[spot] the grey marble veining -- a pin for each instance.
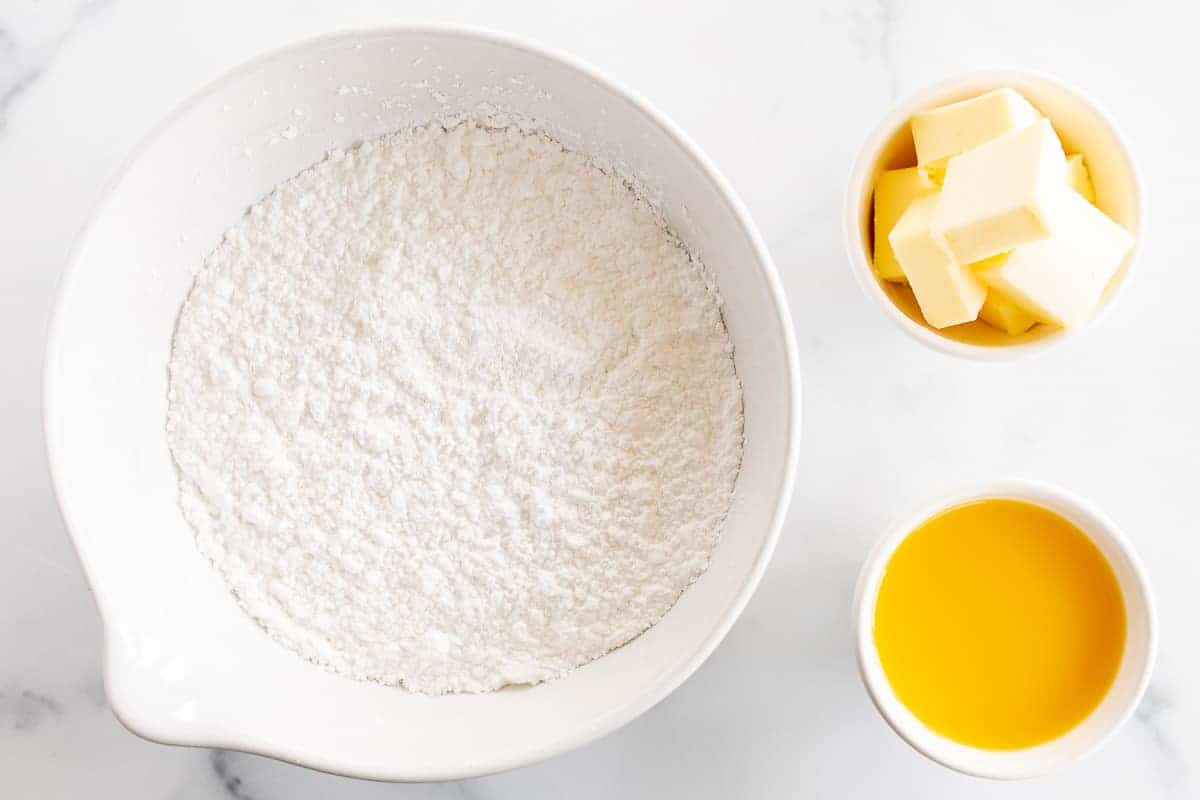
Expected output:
(22, 64)
(14, 76)
(780, 94)
(25, 709)
(1151, 716)
(230, 782)
(872, 31)
(887, 10)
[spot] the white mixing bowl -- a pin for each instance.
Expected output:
(183, 663)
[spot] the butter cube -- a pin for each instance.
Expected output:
(1060, 280)
(947, 292)
(935, 173)
(1079, 179)
(894, 191)
(944, 132)
(1000, 312)
(994, 197)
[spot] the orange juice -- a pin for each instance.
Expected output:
(999, 624)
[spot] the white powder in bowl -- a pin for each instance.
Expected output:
(453, 410)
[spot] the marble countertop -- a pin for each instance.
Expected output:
(779, 95)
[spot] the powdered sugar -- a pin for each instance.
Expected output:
(453, 410)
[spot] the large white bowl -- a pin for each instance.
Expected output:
(183, 664)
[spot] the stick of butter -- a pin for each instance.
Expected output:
(894, 192)
(1060, 280)
(941, 133)
(947, 292)
(994, 197)
(1079, 178)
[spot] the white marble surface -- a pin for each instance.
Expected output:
(779, 94)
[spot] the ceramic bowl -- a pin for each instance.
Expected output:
(183, 664)
(1082, 125)
(1127, 689)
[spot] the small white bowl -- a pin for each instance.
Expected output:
(1117, 706)
(1083, 126)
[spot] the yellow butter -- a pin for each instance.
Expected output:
(944, 132)
(894, 191)
(1079, 178)
(1002, 313)
(1061, 280)
(935, 173)
(994, 197)
(947, 292)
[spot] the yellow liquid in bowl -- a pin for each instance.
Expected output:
(1000, 624)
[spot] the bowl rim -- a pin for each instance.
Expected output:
(246, 741)
(898, 114)
(998, 764)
